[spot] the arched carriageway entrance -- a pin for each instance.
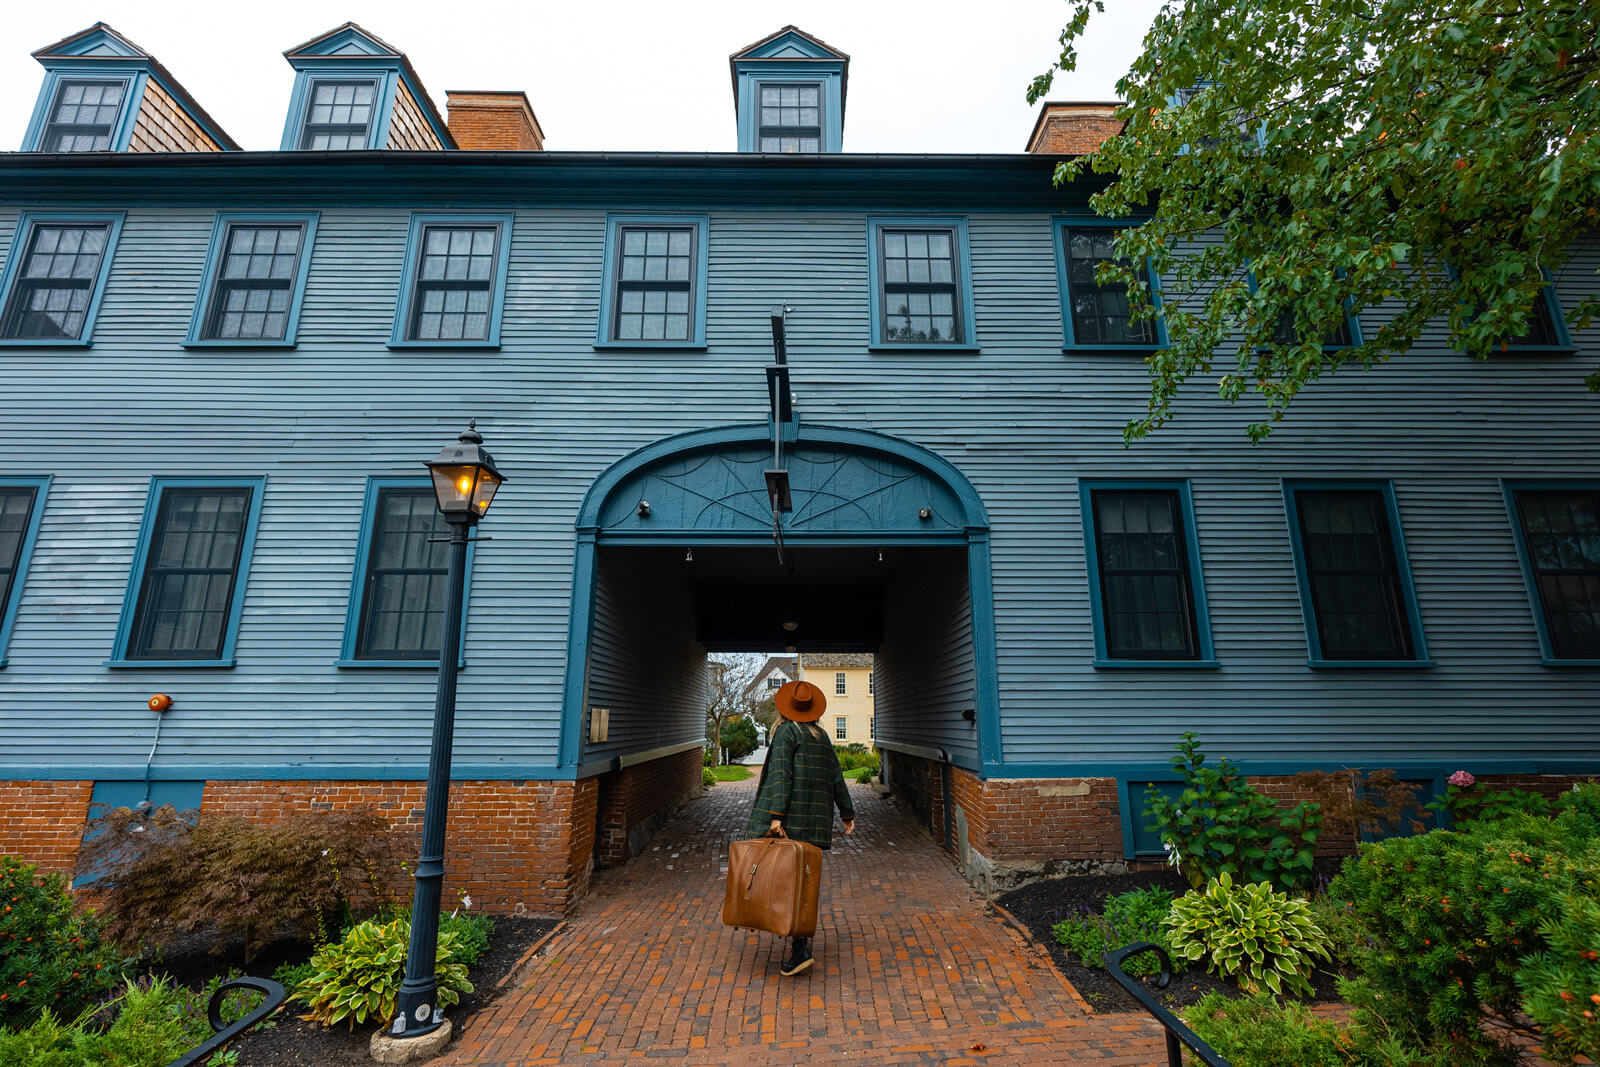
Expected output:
(884, 550)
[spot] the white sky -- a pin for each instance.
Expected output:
(618, 75)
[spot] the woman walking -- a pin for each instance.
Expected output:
(800, 785)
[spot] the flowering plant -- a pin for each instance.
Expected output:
(1461, 778)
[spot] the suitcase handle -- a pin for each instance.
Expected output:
(749, 883)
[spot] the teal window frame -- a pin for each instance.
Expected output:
(207, 293)
(159, 486)
(1412, 615)
(358, 582)
(405, 302)
(1351, 319)
(22, 238)
(1136, 840)
(611, 264)
(1205, 652)
(1509, 488)
(121, 130)
(1058, 228)
(957, 224)
(387, 76)
(750, 74)
(40, 484)
(1558, 324)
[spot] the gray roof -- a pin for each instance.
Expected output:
(820, 660)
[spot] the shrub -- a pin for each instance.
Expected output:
(1221, 824)
(1469, 803)
(1561, 985)
(299, 877)
(359, 977)
(739, 738)
(52, 955)
(707, 777)
(1450, 917)
(472, 933)
(856, 756)
(1259, 1031)
(1126, 917)
(1250, 933)
(1357, 805)
(152, 1024)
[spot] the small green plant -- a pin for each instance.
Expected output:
(1260, 938)
(856, 756)
(1221, 824)
(52, 953)
(359, 977)
(1470, 803)
(1125, 918)
(472, 933)
(1261, 1031)
(151, 1023)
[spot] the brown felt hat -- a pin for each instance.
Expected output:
(800, 701)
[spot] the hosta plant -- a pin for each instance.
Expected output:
(358, 978)
(1260, 938)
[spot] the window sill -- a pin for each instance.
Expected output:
(392, 664)
(1533, 350)
(1368, 664)
(444, 344)
(169, 664)
(1548, 661)
(692, 346)
(920, 346)
(1111, 350)
(42, 342)
(1163, 664)
(209, 343)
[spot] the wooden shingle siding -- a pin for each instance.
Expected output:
(1020, 418)
(407, 127)
(645, 664)
(164, 126)
(925, 677)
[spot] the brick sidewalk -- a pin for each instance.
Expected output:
(912, 967)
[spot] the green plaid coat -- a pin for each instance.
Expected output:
(800, 784)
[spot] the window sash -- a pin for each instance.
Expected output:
(453, 294)
(93, 120)
(653, 296)
(16, 509)
(839, 728)
(1541, 331)
(253, 294)
(1561, 534)
(1146, 593)
(55, 281)
(186, 591)
(403, 593)
(789, 117)
(1352, 575)
(920, 272)
(1100, 313)
(839, 684)
(344, 123)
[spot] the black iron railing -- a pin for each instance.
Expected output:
(223, 1032)
(1176, 1031)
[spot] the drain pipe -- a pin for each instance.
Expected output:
(949, 800)
(158, 704)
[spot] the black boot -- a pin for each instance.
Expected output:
(799, 956)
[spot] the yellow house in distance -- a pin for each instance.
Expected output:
(846, 680)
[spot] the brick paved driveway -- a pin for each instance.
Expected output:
(911, 967)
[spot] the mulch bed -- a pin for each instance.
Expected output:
(285, 1040)
(1040, 905)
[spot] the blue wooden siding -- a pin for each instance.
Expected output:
(645, 663)
(925, 675)
(1020, 418)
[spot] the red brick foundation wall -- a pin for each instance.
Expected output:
(521, 847)
(44, 822)
(634, 800)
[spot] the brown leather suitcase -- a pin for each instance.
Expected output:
(773, 884)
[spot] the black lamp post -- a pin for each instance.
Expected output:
(464, 481)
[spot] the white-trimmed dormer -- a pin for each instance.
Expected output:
(353, 91)
(103, 93)
(789, 94)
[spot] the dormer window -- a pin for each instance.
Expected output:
(791, 117)
(84, 114)
(339, 114)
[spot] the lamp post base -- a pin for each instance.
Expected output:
(386, 1048)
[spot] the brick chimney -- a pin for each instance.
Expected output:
(1074, 127)
(488, 121)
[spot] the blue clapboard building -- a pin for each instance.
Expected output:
(224, 368)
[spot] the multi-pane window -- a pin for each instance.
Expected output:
(403, 601)
(16, 508)
(186, 592)
(839, 728)
(1098, 314)
(775, 682)
(1561, 531)
(1352, 574)
(1284, 333)
(838, 683)
(1146, 597)
(791, 118)
(84, 115)
(920, 300)
(340, 114)
(255, 282)
(1542, 331)
(55, 281)
(455, 284)
(872, 684)
(654, 291)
